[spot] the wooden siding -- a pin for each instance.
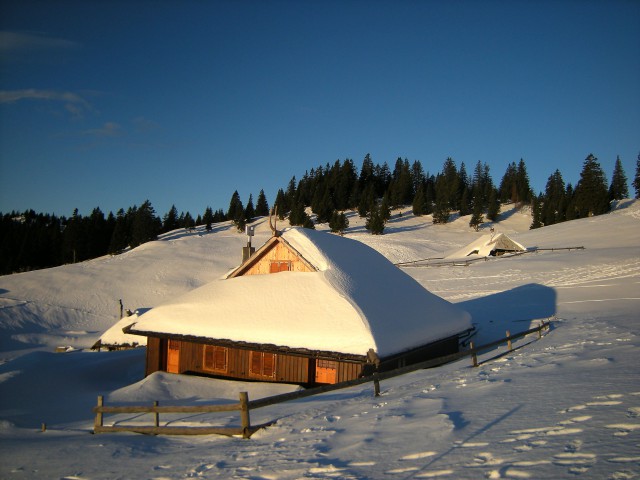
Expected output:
(279, 252)
(289, 368)
(154, 361)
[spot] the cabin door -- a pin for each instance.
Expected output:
(326, 371)
(173, 356)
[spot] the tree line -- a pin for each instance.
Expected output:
(30, 240)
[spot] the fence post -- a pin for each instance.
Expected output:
(509, 346)
(474, 357)
(156, 415)
(244, 414)
(98, 421)
(376, 384)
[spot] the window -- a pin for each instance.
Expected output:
(262, 364)
(279, 266)
(215, 358)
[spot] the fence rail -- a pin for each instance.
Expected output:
(465, 262)
(245, 405)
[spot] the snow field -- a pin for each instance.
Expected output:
(565, 406)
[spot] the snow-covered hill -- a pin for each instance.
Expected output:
(566, 406)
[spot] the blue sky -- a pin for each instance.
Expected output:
(182, 102)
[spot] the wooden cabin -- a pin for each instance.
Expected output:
(306, 308)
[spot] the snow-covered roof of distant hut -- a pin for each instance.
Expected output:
(356, 300)
(115, 338)
(489, 245)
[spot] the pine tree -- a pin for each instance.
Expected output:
(367, 199)
(375, 221)
(119, 240)
(235, 204)
(523, 188)
(249, 211)
(618, 188)
(170, 219)
(419, 202)
(188, 221)
(553, 205)
(385, 208)
(592, 195)
(146, 225)
(207, 218)
(493, 208)
(262, 207)
(280, 204)
(537, 212)
(339, 222)
(441, 211)
(476, 217)
(509, 184)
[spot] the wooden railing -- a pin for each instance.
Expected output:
(245, 405)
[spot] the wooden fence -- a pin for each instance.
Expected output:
(465, 262)
(245, 405)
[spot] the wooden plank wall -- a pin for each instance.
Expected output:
(289, 368)
(279, 252)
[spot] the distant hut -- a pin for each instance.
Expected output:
(492, 245)
(115, 339)
(308, 308)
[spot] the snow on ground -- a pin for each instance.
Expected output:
(565, 406)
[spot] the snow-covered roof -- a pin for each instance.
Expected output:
(486, 244)
(356, 300)
(115, 337)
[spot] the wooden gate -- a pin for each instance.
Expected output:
(173, 356)
(326, 371)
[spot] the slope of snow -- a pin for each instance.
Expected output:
(565, 406)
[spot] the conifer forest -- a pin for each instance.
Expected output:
(30, 240)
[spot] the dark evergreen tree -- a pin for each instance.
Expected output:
(170, 220)
(419, 202)
(464, 191)
(98, 234)
(298, 216)
(249, 211)
(618, 188)
(385, 208)
(146, 225)
(367, 199)
(74, 239)
(375, 221)
(188, 221)
(536, 209)
(442, 209)
(207, 219)
(339, 222)
(280, 204)
(289, 197)
(509, 184)
(235, 205)
(592, 195)
(476, 217)
(119, 238)
(553, 205)
(325, 207)
(418, 178)
(262, 207)
(572, 210)
(523, 188)
(493, 208)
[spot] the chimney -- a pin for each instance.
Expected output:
(248, 250)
